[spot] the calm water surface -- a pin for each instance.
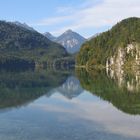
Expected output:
(56, 105)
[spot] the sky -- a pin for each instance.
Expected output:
(86, 17)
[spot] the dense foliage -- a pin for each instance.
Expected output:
(97, 50)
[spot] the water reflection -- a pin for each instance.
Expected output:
(119, 88)
(129, 79)
(22, 87)
(63, 109)
(70, 89)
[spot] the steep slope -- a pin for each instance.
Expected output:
(118, 47)
(18, 43)
(24, 25)
(95, 35)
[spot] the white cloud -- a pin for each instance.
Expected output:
(105, 13)
(52, 21)
(103, 113)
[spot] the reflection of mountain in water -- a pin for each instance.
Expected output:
(70, 89)
(20, 88)
(122, 90)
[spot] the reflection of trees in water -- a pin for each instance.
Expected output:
(20, 88)
(23, 87)
(121, 90)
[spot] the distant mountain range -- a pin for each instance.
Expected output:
(71, 40)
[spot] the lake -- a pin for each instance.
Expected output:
(69, 105)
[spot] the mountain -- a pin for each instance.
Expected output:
(24, 25)
(18, 44)
(50, 36)
(116, 48)
(71, 41)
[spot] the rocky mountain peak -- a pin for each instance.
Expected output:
(71, 40)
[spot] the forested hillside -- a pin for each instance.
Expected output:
(18, 44)
(118, 45)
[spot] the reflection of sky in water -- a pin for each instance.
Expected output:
(57, 118)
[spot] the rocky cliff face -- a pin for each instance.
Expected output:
(128, 56)
(124, 57)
